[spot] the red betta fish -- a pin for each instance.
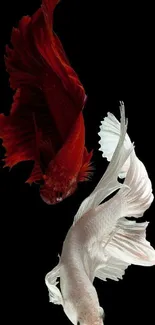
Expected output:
(45, 123)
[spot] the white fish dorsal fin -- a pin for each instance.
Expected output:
(55, 295)
(109, 137)
(109, 183)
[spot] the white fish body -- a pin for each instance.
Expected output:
(102, 242)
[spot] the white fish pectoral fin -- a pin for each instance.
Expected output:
(114, 270)
(109, 182)
(129, 244)
(55, 295)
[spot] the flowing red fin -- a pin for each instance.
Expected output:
(38, 60)
(37, 48)
(86, 169)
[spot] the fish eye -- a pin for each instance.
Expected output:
(103, 316)
(59, 194)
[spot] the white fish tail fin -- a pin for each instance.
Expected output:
(127, 246)
(110, 131)
(51, 281)
(139, 197)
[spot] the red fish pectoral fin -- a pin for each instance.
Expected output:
(86, 169)
(36, 174)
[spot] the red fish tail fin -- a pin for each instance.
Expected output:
(87, 168)
(37, 62)
(37, 48)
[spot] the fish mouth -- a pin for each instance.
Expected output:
(49, 201)
(55, 197)
(59, 199)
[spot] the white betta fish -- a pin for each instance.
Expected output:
(101, 242)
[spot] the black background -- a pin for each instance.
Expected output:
(111, 49)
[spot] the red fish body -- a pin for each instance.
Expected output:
(45, 123)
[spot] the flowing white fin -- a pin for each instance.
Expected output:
(110, 134)
(55, 295)
(130, 245)
(127, 243)
(127, 246)
(109, 183)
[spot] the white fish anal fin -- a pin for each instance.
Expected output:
(109, 183)
(55, 295)
(127, 246)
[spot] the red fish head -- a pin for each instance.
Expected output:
(58, 185)
(63, 176)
